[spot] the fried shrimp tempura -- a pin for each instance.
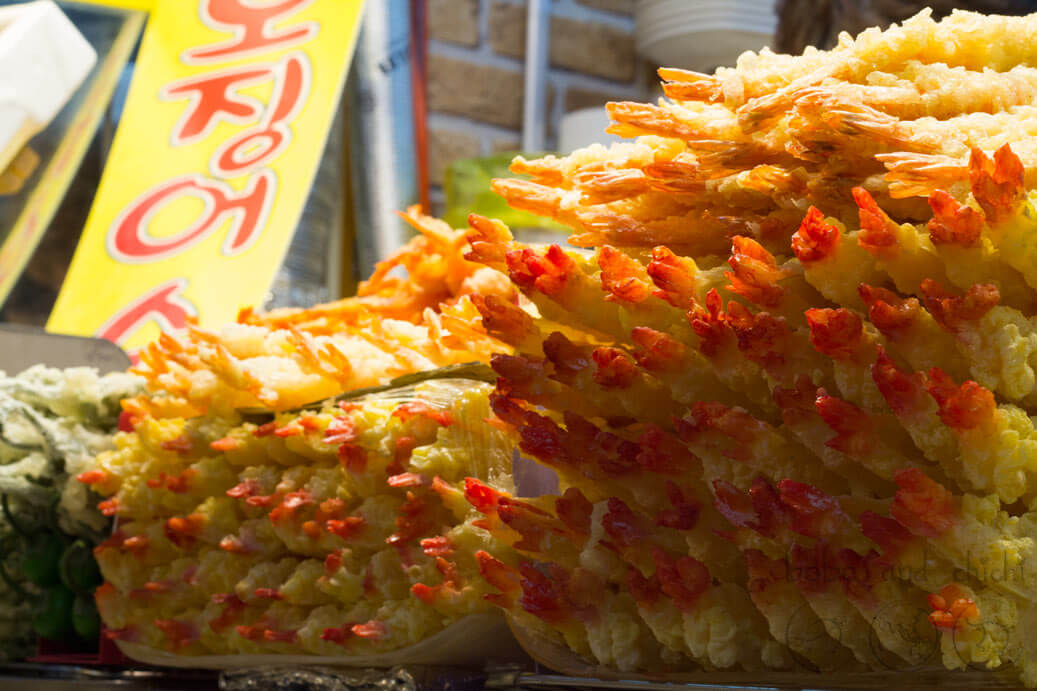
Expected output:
(337, 532)
(290, 357)
(787, 388)
(896, 111)
(846, 401)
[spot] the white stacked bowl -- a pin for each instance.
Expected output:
(702, 34)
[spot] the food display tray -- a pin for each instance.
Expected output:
(525, 677)
(469, 642)
(522, 680)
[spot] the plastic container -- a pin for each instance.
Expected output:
(43, 60)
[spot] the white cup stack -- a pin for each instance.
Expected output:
(702, 34)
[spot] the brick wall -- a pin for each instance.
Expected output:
(476, 54)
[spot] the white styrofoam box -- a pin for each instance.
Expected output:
(43, 60)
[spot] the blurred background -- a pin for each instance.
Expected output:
(443, 93)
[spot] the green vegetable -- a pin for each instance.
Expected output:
(85, 620)
(16, 525)
(52, 422)
(78, 568)
(9, 545)
(468, 190)
(42, 557)
(53, 617)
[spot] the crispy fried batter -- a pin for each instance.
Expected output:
(788, 392)
(290, 357)
(813, 301)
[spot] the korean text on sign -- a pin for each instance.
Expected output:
(224, 127)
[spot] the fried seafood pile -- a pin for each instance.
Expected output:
(340, 531)
(335, 524)
(413, 314)
(789, 395)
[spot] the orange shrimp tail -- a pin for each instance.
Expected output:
(542, 596)
(661, 452)
(673, 276)
(878, 230)
(762, 337)
(962, 407)
(179, 634)
(502, 577)
(625, 528)
(569, 359)
(837, 333)
(905, 392)
(997, 184)
(738, 429)
(815, 239)
(684, 579)
(710, 324)
(520, 376)
(953, 223)
(574, 510)
(854, 435)
(953, 312)
(889, 534)
(620, 276)
(488, 240)
(921, 505)
(812, 512)
(762, 510)
(532, 523)
(658, 352)
(504, 319)
(889, 312)
(754, 273)
(546, 272)
(615, 369)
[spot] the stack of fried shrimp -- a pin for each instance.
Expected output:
(789, 395)
(279, 360)
(331, 529)
(341, 531)
(747, 149)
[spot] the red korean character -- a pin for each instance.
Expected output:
(164, 304)
(257, 146)
(130, 242)
(214, 96)
(252, 26)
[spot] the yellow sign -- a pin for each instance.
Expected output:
(224, 126)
